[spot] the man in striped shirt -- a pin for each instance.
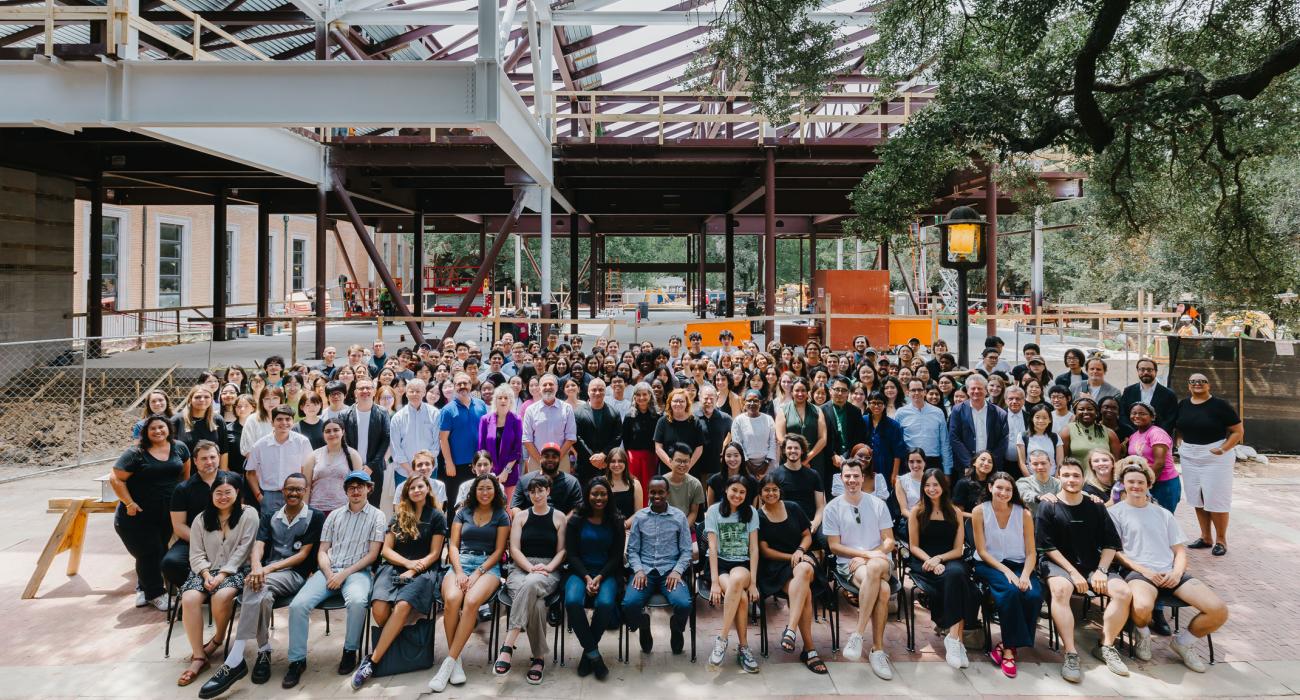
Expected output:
(349, 543)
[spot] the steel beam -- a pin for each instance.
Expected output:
(417, 263)
(729, 262)
(322, 297)
(262, 261)
(95, 273)
(486, 265)
(573, 273)
(219, 261)
(341, 193)
(575, 18)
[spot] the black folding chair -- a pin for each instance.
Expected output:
(555, 614)
(658, 600)
(843, 584)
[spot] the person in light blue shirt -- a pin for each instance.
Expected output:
(658, 553)
(926, 427)
(413, 428)
(458, 431)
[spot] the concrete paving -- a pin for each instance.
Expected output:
(82, 638)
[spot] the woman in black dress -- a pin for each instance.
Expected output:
(784, 538)
(972, 489)
(143, 479)
(199, 419)
(733, 463)
(936, 538)
(625, 495)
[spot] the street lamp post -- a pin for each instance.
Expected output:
(962, 247)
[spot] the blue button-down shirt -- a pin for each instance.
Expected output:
(926, 429)
(460, 424)
(659, 542)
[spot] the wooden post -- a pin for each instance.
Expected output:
(178, 326)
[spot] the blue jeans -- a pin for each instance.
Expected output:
(1168, 493)
(604, 609)
(634, 601)
(356, 595)
(1017, 609)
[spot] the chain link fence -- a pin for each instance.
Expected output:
(65, 402)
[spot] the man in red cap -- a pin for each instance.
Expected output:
(566, 492)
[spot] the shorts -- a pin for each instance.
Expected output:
(725, 567)
(469, 561)
(1135, 576)
(1054, 571)
(195, 581)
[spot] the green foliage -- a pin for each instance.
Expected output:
(777, 48)
(1184, 115)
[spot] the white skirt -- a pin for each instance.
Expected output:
(1207, 477)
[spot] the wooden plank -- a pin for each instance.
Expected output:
(46, 387)
(138, 399)
(52, 547)
(76, 542)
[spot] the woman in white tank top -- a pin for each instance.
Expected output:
(908, 486)
(1004, 561)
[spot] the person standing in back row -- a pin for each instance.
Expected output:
(1208, 428)
(366, 428)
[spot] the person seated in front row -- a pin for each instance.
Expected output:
(283, 557)
(220, 541)
(404, 583)
(658, 553)
(349, 543)
(1155, 555)
(1079, 542)
(1005, 560)
(594, 539)
(731, 526)
(859, 532)
(478, 539)
(536, 555)
(936, 540)
(784, 539)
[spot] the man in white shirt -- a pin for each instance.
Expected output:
(860, 534)
(413, 428)
(1017, 423)
(273, 458)
(1155, 555)
(548, 420)
(366, 430)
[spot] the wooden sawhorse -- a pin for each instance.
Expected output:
(68, 536)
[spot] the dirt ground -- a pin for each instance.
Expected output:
(38, 437)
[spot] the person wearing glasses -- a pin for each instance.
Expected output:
(859, 532)
(1208, 428)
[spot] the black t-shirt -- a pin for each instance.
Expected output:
(152, 481)
(715, 429)
(968, 493)
(315, 434)
(234, 458)
(432, 523)
(1205, 423)
(786, 535)
(671, 432)
(199, 431)
(800, 486)
(192, 496)
(1079, 532)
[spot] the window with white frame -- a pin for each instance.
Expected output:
(170, 263)
(299, 270)
(111, 258)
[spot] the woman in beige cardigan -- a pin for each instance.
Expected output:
(221, 538)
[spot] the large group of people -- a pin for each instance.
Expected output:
(547, 475)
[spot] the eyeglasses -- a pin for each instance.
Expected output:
(1198, 381)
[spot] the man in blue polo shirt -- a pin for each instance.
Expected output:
(459, 432)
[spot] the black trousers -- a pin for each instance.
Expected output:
(176, 563)
(376, 497)
(145, 536)
(952, 595)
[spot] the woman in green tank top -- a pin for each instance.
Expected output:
(1085, 432)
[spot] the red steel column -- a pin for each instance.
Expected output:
(769, 245)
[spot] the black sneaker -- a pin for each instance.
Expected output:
(221, 681)
(599, 668)
(294, 674)
(678, 641)
(584, 665)
(553, 615)
(647, 641)
(348, 663)
(485, 612)
(262, 667)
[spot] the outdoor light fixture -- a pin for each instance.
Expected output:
(961, 246)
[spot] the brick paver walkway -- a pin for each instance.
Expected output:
(82, 637)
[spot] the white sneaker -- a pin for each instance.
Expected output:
(458, 674)
(1190, 658)
(1143, 645)
(954, 648)
(161, 602)
(965, 659)
(853, 649)
(718, 654)
(140, 599)
(880, 665)
(439, 681)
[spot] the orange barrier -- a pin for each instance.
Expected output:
(709, 331)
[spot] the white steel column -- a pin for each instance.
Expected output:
(1036, 253)
(545, 215)
(839, 254)
(519, 269)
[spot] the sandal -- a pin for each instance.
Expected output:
(787, 640)
(189, 674)
(813, 662)
(501, 668)
(535, 667)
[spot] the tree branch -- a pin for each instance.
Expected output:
(1250, 84)
(1144, 79)
(1094, 124)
